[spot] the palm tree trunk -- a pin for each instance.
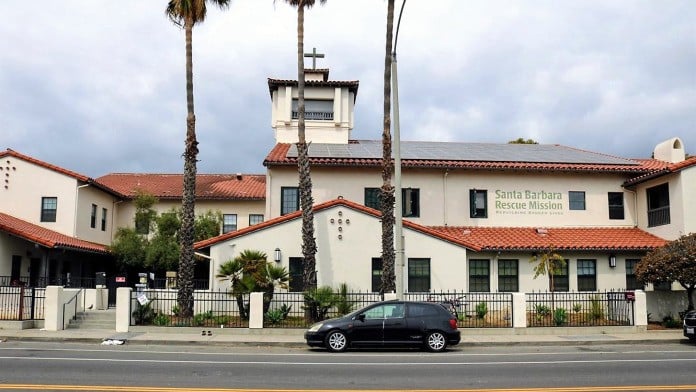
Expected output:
(387, 190)
(185, 276)
(309, 247)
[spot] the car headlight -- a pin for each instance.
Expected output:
(315, 327)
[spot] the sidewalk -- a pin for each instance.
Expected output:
(294, 337)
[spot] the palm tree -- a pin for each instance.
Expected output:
(251, 272)
(187, 13)
(387, 190)
(309, 244)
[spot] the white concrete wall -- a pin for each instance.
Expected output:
(444, 196)
(86, 196)
(27, 184)
(347, 258)
(336, 131)
(678, 189)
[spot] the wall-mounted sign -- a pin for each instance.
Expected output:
(528, 202)
(120, 279)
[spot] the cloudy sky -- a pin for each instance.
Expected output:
(98, 86)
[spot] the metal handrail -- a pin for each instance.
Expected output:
(68, 303)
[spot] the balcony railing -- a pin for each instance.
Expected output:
(658, 216)
(322, 116)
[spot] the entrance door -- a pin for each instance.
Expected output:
(16, 270)
(34, 266)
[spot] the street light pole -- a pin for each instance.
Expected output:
(398, 213)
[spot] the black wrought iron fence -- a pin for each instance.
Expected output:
(580, 309)
(213, 309)
(473, 310)
(291, 310)
(21, 303)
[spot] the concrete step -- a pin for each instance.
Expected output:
(98, 319)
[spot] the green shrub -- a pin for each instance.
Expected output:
(669, 322)
(275, 316)
(596, 311)
(161, 320)
(577, 308)
(343, 306)
(200, 319)
(285, 308)
(481, 310)
(144, 314)
(542, 310)
(560, 316)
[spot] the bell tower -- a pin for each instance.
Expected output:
(329, 106)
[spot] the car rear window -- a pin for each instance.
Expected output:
(421, 310)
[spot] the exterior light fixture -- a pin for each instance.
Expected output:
(277, 255)
(612, 260)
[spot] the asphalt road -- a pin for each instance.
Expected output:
(72, 367)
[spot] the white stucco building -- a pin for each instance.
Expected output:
(474, 214)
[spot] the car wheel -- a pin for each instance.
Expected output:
(435, 341)
(336, 341)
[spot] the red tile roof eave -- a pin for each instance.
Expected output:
(99, 249)
(673, 168)
(493, 166)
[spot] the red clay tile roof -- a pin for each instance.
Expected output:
(352, 85)
(208, 186)
(46, 237)
(529, 238)
(279, 157)
(323, 206)
(667, 169)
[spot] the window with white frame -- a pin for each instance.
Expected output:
(255, 219)
(229, 223)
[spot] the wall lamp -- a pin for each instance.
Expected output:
(277, 255)
(612, 260)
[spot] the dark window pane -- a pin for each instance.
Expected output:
(411, 202)
(616, 205)
(560, 279)
(289, 200)
(479, 276)
(632, 282)
(295, 272)
(658, 205)
(508, 275)
(372, 198)
(418, 275)
(49, 208)
(376, 274)
(478, 200)
(93, 217)
(587, 275)
(576, 200)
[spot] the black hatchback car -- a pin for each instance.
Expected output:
(388, 324)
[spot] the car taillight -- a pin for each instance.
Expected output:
(453, 323)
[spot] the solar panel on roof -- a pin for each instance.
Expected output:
(455, 151)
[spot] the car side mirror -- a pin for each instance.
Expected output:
(361, 317)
